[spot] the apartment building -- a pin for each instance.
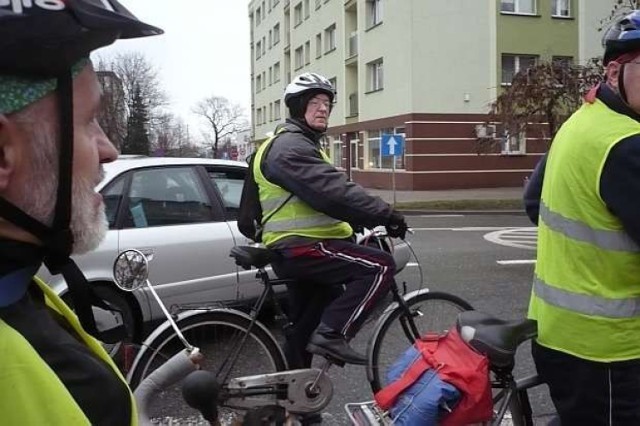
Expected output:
(426, 69)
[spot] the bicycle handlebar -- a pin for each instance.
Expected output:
(169, 373)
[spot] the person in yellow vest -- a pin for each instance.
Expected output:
(310, 206)
(53, 371)
(586, 288)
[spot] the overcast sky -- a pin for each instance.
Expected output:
(204, 51)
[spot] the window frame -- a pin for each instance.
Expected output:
(375, 75)
(556, 9)
(517, 67)
(517, 9)
(374, 13)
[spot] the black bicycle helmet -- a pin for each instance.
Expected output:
(622, 37)
(44, 39)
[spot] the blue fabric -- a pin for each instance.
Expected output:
(14, 285)
(424, 402)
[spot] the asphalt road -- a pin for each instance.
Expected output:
(485, 259)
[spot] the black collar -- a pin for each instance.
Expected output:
(614, 102)
(303, 127)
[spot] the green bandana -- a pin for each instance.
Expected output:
(18, 92)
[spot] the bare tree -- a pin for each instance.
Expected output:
(222, 117)
(171, 137)
(128, 79)
(542, 96)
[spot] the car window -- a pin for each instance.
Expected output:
(112, 196)
(229, 183)
(166, 196)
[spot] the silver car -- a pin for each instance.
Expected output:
(181, 213)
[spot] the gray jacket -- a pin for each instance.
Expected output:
(294, 163)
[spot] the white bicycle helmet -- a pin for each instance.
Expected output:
(306, 82)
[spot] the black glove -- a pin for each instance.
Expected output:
(396, 226)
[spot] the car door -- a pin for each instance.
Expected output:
(229, 181)
(168, 214)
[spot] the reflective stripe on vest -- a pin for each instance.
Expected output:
(586, 290)
(295, 217)
(587, 304)
(605, 239)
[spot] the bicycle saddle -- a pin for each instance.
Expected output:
(497, 339)
(248, 256)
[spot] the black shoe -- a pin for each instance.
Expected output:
(331, 344)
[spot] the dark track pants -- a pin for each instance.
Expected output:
(366, 273)
(590, 393)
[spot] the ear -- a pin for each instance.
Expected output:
(9, 142)
(612, 72)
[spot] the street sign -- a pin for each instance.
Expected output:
(392, 145)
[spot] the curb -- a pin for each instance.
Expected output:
(415, 212)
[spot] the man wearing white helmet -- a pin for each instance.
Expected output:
(309, 206)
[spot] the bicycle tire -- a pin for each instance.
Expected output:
(214, 332)
(432, 312)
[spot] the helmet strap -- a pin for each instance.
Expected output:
(623, 93)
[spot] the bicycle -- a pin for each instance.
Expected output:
(237, 339)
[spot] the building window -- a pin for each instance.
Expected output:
(259, 116)
(270, 38)
(375, 157)
(258, 16)
(264, 45)
(259, 83)
(307, 12)
(561, 8)
(514, 144)
(276, 34)
(375, 75)
(258, 50)
(374, 12)
(330, 38)
(276, 110)
(336, 149)
(354, 153)
(298, 58)
(318, 3)
(512, 64)
(276, 72)
(307, 53)
(297, 14)
(318, 45)
(518, 6)
(270, 76)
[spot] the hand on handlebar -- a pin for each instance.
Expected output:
(397, 226)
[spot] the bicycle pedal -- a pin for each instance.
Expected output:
(328, 356)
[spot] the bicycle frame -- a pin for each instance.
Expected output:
(513, 396)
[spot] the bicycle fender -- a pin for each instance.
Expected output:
(165, 326)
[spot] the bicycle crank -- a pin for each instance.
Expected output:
(298, 391)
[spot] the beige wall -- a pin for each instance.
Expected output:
(591, 15)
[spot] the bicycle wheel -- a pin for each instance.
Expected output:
(430, 312)
(217, 334)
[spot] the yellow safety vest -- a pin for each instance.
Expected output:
(30, 392)
(586, 289)
(295, 217)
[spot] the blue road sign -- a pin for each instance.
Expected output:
(392, 145)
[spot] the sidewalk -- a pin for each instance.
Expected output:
(452, 194)
(478, 194)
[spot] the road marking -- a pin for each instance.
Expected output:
(412, 264)
(516, 262)
(467, 228)
(524, 238)
(439, 215)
